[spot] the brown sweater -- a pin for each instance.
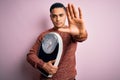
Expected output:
(66, 68)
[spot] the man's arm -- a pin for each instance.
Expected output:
(32, 56)
(81, 37)
(37, 63)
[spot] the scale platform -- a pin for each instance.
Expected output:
(51, 49)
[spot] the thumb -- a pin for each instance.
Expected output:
(64, 30)
(52, 61)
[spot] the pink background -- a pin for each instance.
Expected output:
(21, 21)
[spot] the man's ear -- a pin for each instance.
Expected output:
(50, 16)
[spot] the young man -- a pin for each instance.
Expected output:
(71, 34)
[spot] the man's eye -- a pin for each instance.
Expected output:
(61, 15)
(53, 16)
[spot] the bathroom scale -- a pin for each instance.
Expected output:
(51, 48)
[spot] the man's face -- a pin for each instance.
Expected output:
(58, 17)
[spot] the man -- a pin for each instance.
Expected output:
(71, 34)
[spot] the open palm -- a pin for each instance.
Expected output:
(75, 21)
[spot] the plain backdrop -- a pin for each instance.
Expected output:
(21, 21)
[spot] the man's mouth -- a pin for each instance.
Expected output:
(58, 23)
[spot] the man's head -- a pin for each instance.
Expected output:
(58, 14)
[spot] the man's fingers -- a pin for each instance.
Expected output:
(74, 11)
(64, 30)
(80, 13)
(70, 11)
(52, 61)
(68, 14)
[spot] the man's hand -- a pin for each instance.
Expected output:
(75, 21)
(48, 67)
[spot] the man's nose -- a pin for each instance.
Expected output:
(58, 18)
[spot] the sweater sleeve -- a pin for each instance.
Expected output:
(32, 56)
(81, 37)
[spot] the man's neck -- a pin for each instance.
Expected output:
(59, 27)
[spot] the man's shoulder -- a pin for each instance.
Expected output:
(45, 32)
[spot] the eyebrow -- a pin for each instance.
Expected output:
(58, 14)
